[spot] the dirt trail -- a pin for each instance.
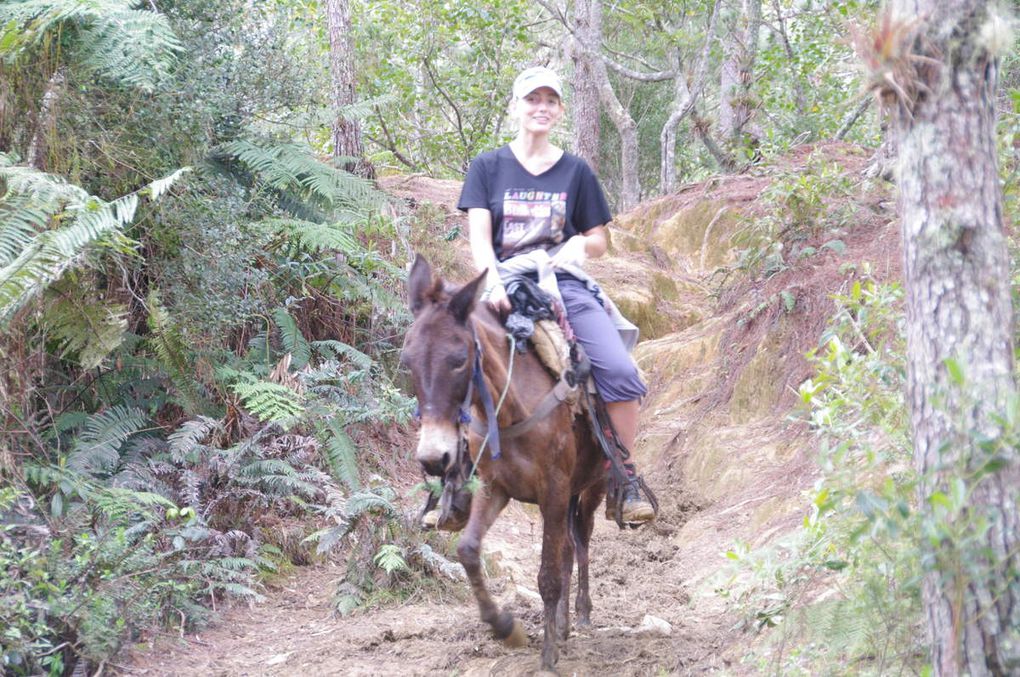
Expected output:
(294, 631)
(716, 445)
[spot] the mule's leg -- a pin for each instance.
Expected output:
(584, 522)
(485, 508)
(550, 585)
(566, 571)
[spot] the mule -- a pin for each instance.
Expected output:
(555, 464)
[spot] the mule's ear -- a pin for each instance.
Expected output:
(463, 302)
(421, 284)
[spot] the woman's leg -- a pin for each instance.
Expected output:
(616, 378)
(624, 416)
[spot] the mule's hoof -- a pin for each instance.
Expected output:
(517, 637)
(430, 520)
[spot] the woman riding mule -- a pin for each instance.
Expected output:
(535, 208)
(541, 209)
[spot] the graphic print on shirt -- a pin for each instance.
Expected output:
(532, 219)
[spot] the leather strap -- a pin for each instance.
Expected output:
(560, 392)
(490, 409)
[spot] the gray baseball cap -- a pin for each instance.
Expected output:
(532, 78)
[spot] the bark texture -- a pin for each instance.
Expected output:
(957, 275)
(585, 100)
(47, 124)
(740, 50)
(346, 132)
(684, 99)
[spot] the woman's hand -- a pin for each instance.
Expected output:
(572, 253)
(495, 296)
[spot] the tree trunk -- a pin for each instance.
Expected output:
(346, 132)
(630, 185)
(740, 50)
(684, 99)
(585, 102)
(47, 121)
(957, 276)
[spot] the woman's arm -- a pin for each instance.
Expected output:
(588, 245)
(484, 256)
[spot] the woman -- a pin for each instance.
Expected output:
(530, 196)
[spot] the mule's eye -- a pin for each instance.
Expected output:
(456, 360)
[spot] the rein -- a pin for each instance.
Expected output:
(491, 431)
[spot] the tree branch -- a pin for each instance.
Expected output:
(390, 144)
(851, 119)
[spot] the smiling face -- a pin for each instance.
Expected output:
(538, 111)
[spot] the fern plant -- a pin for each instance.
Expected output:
(88, 329)
(41, 256)
(173, 354)
(294, 341)
(97, 448)
(115, 39)
(270, 402)
(293, 170)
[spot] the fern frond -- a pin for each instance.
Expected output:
(341, 456)
(116, 39)
(278, 477)
(168, 345)
(390, 558)
(97, 448)
(125, 506)
(42, 258)
(86, 327)
(338, 349)
(21, 219)
(293, 168)
(366, 501)
(294, 341)
(185, 439)
(270, 402)
(315, 237)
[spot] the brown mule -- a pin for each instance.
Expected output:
(555, 464)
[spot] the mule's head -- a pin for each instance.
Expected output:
(439, 351)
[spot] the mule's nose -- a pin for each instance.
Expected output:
(437, 446)
(436, 468)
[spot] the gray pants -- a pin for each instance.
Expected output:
(616, 376)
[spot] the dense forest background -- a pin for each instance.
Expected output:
(200, 290)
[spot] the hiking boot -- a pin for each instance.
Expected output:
(636, 508)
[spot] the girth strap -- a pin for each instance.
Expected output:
(560, 392)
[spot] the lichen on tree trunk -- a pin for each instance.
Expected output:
(957, 275)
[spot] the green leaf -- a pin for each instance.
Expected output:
(294, 341)
(390, 558)
(956, 374)
(788, 300)
(836, 246)
(341, 456)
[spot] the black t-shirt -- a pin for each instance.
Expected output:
(533, 212)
